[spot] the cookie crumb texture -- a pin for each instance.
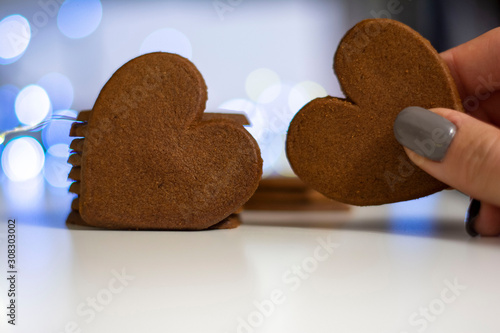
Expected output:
(345, 148)
(147, 159)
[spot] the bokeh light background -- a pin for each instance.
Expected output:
(264, 58)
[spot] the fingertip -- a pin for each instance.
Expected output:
(425, 132)
(465, 155)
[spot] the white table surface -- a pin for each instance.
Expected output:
(389, 269)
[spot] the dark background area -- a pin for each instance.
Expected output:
(445, 23)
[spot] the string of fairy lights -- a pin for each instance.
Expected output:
(29, 150)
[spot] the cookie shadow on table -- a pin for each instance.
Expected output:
(75, 222)
(443, 228)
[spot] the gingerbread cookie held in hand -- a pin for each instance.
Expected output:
(149, 161)
(345, 148)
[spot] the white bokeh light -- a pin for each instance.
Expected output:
(302, 93)
(79, 18)
(277, 115)
(270, 94)
(22, 159)
(263, 85)
(271, 147)
(15, 36)
(253, 113)
(282, 165)
(168, 40)
(59, 89)
(32, 105)
(238, 104)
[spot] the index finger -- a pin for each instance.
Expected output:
(475, 68)
(475, 61)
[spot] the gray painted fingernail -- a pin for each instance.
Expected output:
(470, 218)
(425, 132)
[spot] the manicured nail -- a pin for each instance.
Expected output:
(470, 218)
(425, 132)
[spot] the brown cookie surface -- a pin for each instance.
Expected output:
(345, 148)
(290, 194)
(149, 160)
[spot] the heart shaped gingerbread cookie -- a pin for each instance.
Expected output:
(149, 161)
(345, 148)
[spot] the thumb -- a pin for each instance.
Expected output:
(454, 148)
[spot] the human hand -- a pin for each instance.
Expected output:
(468, 157)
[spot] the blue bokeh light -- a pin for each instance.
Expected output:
(11, 60)
(56, 168)
(414, 216)
(79, 18)
(57, 131)
(59, 89)
(24, 196)
(15, 36)
(8, 119)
